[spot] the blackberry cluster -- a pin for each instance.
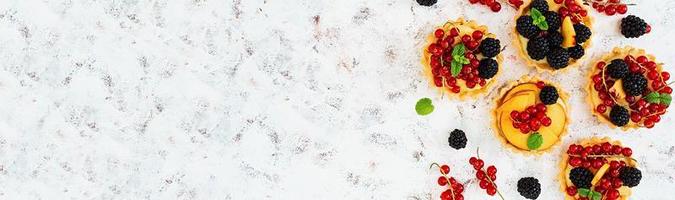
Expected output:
(576, 52)
(553, 20)
(489, 47)
(630, 176)
(540, 5)
(583, 33)
(487, 68)
(633, 27)
(537, 48)
(558, 58)
(526, 28)
(529, 187)
(581, 177)
(634, 84)
(554, 38)
(617, 69)
(619, 115)
(548, 95)
(457, 139)
(427, 2)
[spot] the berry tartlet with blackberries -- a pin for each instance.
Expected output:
(462, 58)
(531, 115)
(629, 89)
(596, 169)
(553, 34)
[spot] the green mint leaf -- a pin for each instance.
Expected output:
(538, 19)
(595, 195)
(459, 49)
(666, 99)
(653, 97)
(424, 106)
(534, 141)
(583, 192)
(455, 68)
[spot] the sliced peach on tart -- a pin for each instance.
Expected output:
(531, 115)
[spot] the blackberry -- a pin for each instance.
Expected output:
(487, 68)
(558, 58)
(457, 139)
(634, 84)
(427, 2)
(526, 28)
(529, 187)
(537, 48)
(583, 33)
(617, 69)
(630, 176)
(553, 20)
(633, 27)
(489, 47)
(554, 38)
(581, 177)
(548, 95)
(619, 115)
(540, 5)
(576, 52)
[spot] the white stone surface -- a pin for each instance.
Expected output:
(268, 99)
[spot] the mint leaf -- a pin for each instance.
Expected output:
(534, 141)
(666, 99)
(538, 19)
(458, 59)
(653, 97)
(455, 68)
(424, 106)
(583, 192)
(595, 195)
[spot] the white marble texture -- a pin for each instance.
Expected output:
(268, 99)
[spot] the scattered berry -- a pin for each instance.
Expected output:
(427, 2)
(457, 139)
(529, 187)
(633, 27)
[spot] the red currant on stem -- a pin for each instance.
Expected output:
(486, 178)
(445, 169)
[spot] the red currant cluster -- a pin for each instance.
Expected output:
(531, 119)
(442, 57)
(572, 9)
(487, 177)
(455, 189)
(610, 7)
(641, 110)
(493, 4)
(596, 156)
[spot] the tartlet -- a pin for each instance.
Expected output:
(628, 89)
(546, 119)
(560, 47)
(475, 71)
(596, 164)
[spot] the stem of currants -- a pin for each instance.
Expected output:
(488, 176)
(446, 178)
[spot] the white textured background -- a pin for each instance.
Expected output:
(268, 99)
